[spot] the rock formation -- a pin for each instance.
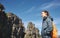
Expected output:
(15, 24)
(32, 31)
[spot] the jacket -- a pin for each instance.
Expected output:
(46, 26)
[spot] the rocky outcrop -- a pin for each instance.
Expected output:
(15, 24)
(32, 31)
(4, 27)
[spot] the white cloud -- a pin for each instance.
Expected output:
(56, 4)
(49, 5)
(30, 9)
(46, 6)
(57, 20)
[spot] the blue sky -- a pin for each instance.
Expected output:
(30, 10)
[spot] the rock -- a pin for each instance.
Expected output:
(16, 25)
(32, 31)
(1, 7)
(4, 27)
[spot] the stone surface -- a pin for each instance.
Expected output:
(32, 31)
(16, 25)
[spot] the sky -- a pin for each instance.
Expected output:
(30, 10)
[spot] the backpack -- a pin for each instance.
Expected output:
(54, 31)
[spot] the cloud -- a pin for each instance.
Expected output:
(56, 4)
(49, 5)
(46, 6)
(30, 9)
(57, 20)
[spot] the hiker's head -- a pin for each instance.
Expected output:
(45, 13)
(1, 7)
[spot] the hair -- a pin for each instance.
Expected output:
(45, 11)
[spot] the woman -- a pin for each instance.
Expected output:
(46, 25)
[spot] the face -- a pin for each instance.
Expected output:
(43, 14)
